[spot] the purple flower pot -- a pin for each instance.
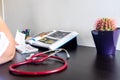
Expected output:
(106, 41)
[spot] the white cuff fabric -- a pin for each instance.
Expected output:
(4, 42)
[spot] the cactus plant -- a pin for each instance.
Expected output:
(105, 24)
(105, 36)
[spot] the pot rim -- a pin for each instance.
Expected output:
(107, 31)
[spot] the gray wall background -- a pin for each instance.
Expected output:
(0, 7)
(1, 10)
(72, 15)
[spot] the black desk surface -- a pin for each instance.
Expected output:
(84, 64)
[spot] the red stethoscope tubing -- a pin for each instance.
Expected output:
(13, 69)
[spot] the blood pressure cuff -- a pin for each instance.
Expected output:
(4, 42)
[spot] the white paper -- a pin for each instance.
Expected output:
(26, 48)
(3, 43)
(20, 37)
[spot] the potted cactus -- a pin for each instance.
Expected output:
(105, 36)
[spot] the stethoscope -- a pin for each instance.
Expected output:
(36, 60)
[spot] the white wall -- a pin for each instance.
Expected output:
(75, 15)
(17, 14)
(1, 8)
